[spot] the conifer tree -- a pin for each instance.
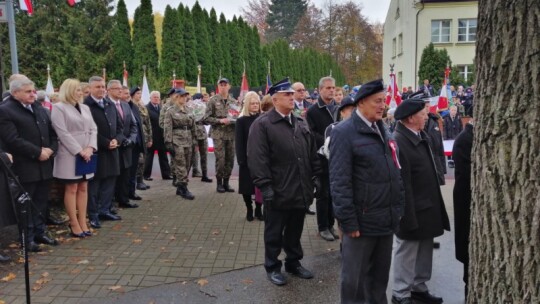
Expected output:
(283, 18)
(122, 48)
(432, 65)
(172, 54)
(216, 47)
(204, 54)
(144, 43)
(190, 46)
(226, 45)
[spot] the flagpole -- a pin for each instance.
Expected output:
(12, 37)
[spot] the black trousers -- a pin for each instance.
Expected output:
(36, 211)
(136, 152)
(283, 229)
(121, 193)
(163, 162)
(325, 210)
(100, 194)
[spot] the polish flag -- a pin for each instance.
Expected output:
(244, 88)
(393, 97)
(73, 2)
(443, 96)
(125, 76)
(145, 94)
(26, 5)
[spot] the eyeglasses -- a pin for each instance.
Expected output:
(115, 88)
(300, 90)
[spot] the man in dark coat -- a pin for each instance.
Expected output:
(110, 137)
(158, 143)
(436, 143)
(125, 151)
(462, 197)
(425, 214)
(301, 105)
(319, 117)
(283, 162)
(27, 134)
(138, 147)
(367, 194)
(452, 124)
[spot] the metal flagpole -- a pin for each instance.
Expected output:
(12, 37)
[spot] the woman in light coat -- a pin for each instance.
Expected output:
(77, 136)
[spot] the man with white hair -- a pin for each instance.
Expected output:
(154, 108)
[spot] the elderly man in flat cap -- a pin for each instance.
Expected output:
(425, 214)
(283, 163)
(367, 195)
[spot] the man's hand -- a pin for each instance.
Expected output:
(354, 234)
(113, 144)
(317, 184)
(267, 194)
(149, 144)
(45, 154)
(225, 121)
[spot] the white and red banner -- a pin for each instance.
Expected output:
(73, 2)
(393, 97)
(442, 99)
(244, 88)
(26, 5)
(145, 93)
(125, 76)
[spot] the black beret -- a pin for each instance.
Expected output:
(197, 96)
(347, 101)
(370, 88)
(133, 91)
(409, 107)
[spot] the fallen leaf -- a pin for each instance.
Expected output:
(91, 268)
(145, 228)
(213, 251)
(137, 241)
(247, 281)
(216, 232)
(2, 302)
(231, 243)
(172, 238)
(117, 227)
(162, 248)
(61, 231)
(75, 271)
(8, 278)
(202, 282)
(116, 288)
(83, 262)
(184, 282)
(110, 263)
(45, 274)
(129, 233)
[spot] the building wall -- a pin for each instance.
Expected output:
(407, 61)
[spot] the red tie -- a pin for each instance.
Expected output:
(119, 108)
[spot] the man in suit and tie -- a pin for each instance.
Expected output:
(125, 151)
(110, 137)
(158, 142)
(27, 134)
(300, 104)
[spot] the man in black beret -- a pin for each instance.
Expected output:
(425, 215)
(366, 191)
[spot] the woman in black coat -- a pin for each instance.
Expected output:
(250, 111)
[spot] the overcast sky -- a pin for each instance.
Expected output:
(375, 10)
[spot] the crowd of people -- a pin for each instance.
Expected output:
(340, 150)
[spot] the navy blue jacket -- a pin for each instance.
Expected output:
(365, 181)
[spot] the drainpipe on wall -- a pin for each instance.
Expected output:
(416, 49)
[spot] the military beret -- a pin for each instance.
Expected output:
(224, 80)
(347, 101)
(134, 90)
(197, 96)
(283, 86)
(409, 107)
(370, 88)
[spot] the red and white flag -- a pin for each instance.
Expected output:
(26, 5)
(393, 97)
(442, 100)
(125, 76)
(244, 88)
(73, 2)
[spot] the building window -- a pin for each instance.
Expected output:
(400, 44)
(394, 47)
(440, 31)
(400, 80)
(465, 71)
(467, 30)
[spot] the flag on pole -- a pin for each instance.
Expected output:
(393, 97)
(104, 74)
(125, 76)
(217, 83)
(442, 100)
(145, 94)
(73, 2)
(268, 82)
(199, 80)
(26, 5)
(244, 88)
(49, 90)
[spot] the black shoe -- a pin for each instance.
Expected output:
(308, 211)
(33, 247)
(54, 222)
(451, 164)
(205, 179)
(128, 205)
(113, 210)
(188, 195)
(184, 192)
(88, 233)
(425, 297)
(109, 217)
(334, 233)
(219, 187)
(95, 224)
(77, 235)
(226, 185)
(142, 186)
(300, 272)
(401, 300)
(135, 197)
(276, 277)
(4, 258)
(164, 178)
(249, 213)
(258, 212)
(43, 239)
(148, 178)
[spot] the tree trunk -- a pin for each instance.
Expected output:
(505, 213)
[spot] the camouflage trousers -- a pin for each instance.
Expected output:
(140, 165)
(201, 148)
(181, 163)
(224, 152)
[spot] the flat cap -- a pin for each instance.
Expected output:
(133, 91)
(370, 88)
(409, 107)
(282, 86)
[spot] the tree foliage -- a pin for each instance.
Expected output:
(282, 18)
(172, 57)
(122, 49)
(144, 42)
(432, 65)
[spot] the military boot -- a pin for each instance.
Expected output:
(174, 180)
(140, 184)
(226, 185)
(187, 195)
(205, 178)
(180, 191)
(249, 208)
(220, 187)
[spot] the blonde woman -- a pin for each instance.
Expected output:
(77, 136)
(250, 112)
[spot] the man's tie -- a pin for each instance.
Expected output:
(289, 119)
(100, 103)
(119, 108)
(29, 107)
(374, 127)
(156, 107)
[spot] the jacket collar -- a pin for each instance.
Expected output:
(400, 128)
(274, 116)
(362, 127)
(321, 104)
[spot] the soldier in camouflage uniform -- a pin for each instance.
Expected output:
(222, 132)
(200, 147)
(167, 104)
(179, 133)
(147, 130)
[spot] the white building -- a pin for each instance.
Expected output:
(412, 24)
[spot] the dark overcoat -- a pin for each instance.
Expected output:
(245, 183)
(437, 147)
(452, 127)
(461, 154)
(141, 140)
(24, 133)
(365, 182)
(109, 127)
(319, 117)
(7, 212)
(425, 214)
(284, 157)
(158, 141)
